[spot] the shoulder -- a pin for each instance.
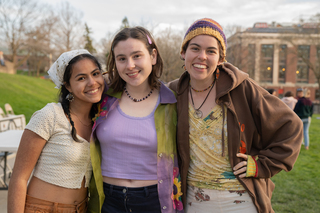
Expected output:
(49, 110)
(173, 85)
(167, 95)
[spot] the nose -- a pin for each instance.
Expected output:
(91, 80)
(130, 64)
(202, 55)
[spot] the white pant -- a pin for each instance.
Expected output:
(218, 201)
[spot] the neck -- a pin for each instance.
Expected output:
(138, 91)
(201, 84)
(80, 109)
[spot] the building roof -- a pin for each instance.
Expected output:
(262, 27)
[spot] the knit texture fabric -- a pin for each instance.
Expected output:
(63, 161)
(206, 26)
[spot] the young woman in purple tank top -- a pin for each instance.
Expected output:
(136, 131)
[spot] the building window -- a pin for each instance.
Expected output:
(318, 57)
(302, 73)
(266, 65)
(251, 59)
(282, 63)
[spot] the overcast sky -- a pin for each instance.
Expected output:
(105, 16)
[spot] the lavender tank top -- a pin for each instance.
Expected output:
(128, 145)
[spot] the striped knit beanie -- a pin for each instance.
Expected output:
(206, 26)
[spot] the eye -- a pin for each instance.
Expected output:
(137, 56)
(121, 59)
(97, 73)
(194, 48)
(81, 78)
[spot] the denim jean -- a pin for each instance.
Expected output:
(306, 124)
(126, 199)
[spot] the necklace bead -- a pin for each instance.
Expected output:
(202, 90)
(135, 99)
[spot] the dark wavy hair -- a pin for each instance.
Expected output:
(64, 92)
(140, 33)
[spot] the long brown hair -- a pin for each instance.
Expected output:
(143, 35)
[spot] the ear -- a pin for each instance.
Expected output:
(183, 56)
(67, 86)
(154, 55)
(220, 62)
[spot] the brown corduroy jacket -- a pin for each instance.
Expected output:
(257, 122)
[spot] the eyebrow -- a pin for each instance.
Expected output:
(80, 74)
(200, 46)
(134, 52)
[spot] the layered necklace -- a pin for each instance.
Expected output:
(197, 112)
(211, 85)
(135, 99)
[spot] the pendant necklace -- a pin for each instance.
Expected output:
(197, 112)
(135, 99)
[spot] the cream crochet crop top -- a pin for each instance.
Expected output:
(63, 161)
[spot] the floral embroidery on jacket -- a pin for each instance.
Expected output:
(176, 194)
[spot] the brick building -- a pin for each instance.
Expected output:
(279, 56)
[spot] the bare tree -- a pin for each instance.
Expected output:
(169, 47)
(39, 43)
(16, 16)
(68, 35)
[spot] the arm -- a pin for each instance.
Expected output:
(276, 132)
(28, 153)
(281, 136)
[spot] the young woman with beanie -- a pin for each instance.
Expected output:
(232, 135)
(54, 148)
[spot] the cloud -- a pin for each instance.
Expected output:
(105, 16)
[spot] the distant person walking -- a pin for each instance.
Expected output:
(299, 93)
(304, 109)
(2, 59)
(54, 145)
(272, 91)
(289, 99)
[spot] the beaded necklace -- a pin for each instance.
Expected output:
(135, 99)
(201, 90)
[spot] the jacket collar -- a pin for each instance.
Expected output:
(166, 95)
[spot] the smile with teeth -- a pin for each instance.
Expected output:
(93, 91)
(201, 66)
(133, 74)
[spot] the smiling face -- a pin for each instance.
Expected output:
(86, 82)
(202, 58)
(133, 62)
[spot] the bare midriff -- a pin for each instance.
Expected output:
(42, 190)
(128, 182)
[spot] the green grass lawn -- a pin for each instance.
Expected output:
(26, 94)
(299, 190)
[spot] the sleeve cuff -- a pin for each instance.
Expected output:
(252, 168)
